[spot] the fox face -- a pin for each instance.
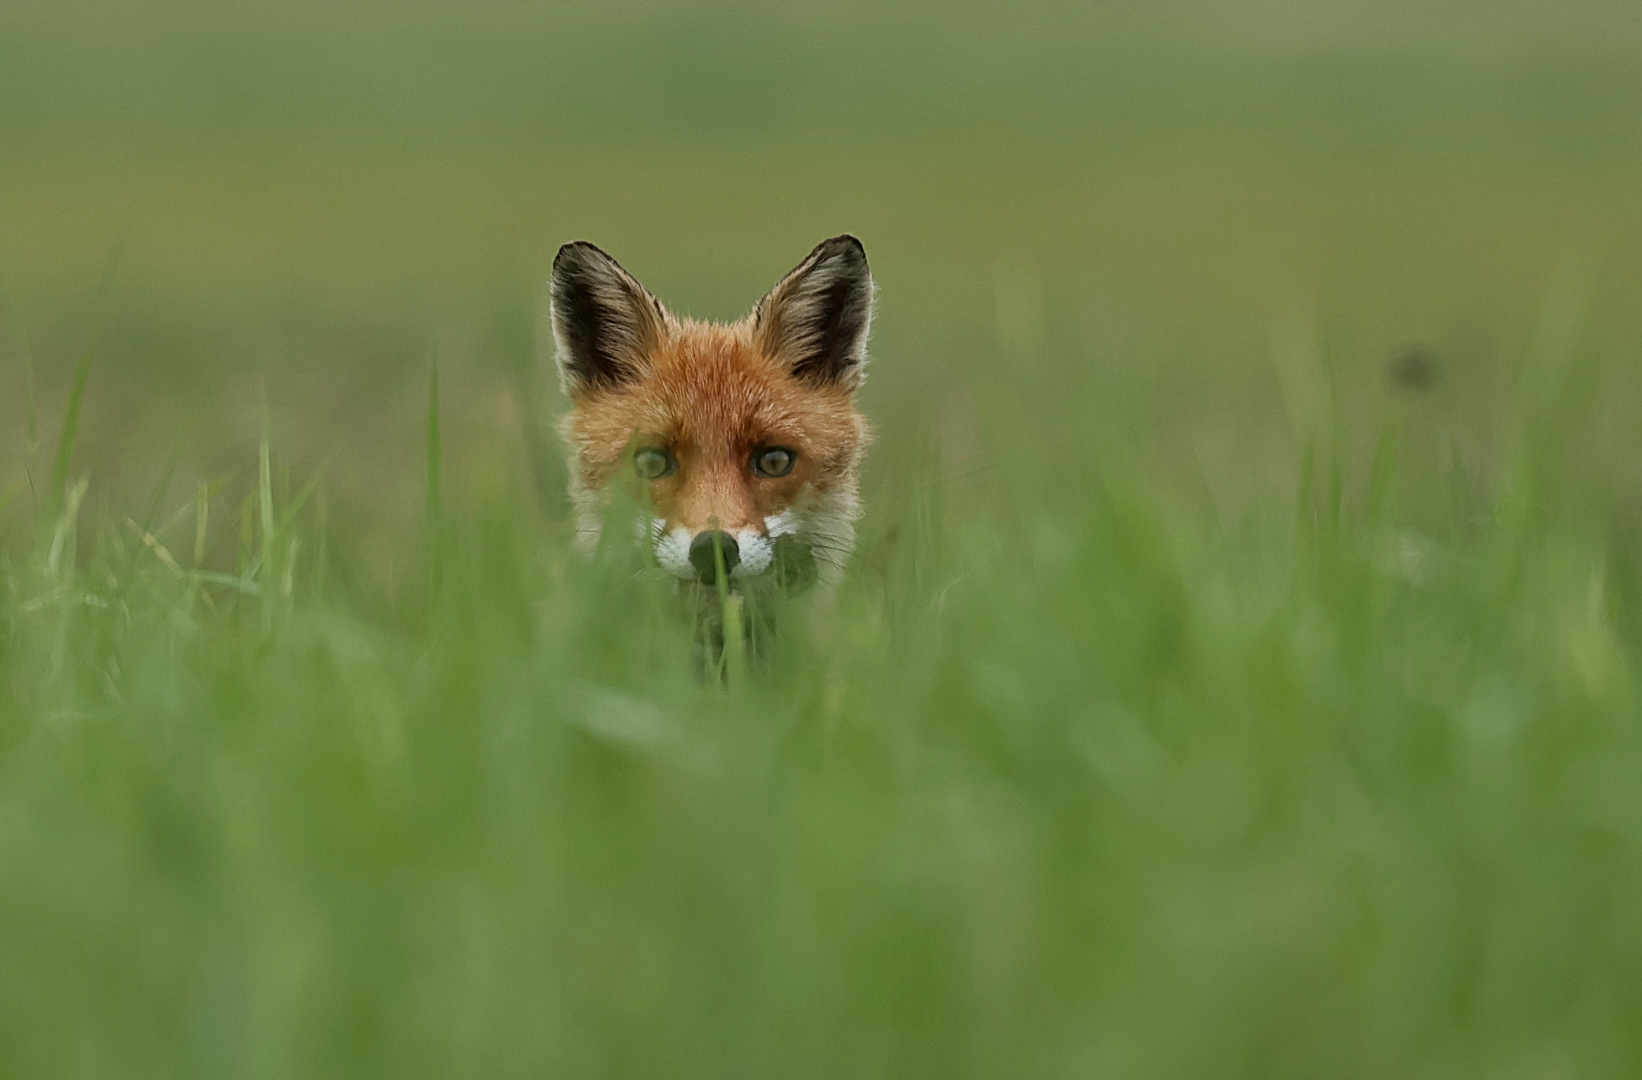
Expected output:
(743, 439)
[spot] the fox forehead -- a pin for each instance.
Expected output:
(708, 392)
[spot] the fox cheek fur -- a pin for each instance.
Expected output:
(743, 437)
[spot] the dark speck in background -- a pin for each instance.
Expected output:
(1414, 368)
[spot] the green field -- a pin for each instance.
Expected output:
(1238, 675)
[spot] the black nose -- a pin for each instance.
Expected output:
(702, 555)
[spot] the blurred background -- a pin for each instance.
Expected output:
(1238, 677)
(1114, 221)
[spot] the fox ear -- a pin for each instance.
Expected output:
(604, 321)
(816, 319)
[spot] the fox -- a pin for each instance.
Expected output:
(742, 440)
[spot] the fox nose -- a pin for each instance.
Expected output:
(702, 556)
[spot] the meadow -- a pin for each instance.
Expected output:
(1238, 675)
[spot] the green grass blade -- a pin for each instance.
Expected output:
(265, 557)
(435, 456)
(732, 664)
(157, 495)
(82, 371)
(202, 522)
(65, 440)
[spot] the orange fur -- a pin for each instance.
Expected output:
(711, 395)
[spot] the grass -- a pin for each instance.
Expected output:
(1079, 780)
(1237, 677)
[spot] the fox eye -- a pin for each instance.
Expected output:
(653, 463)
(773, 461)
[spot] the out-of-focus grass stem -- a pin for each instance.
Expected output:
(734, 661)
(433, 484)
(82, 371)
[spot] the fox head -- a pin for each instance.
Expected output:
(742, 439)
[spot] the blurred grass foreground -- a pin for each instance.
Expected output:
(1238, 676)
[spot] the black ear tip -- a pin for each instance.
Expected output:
(845, 245)
(575, 254)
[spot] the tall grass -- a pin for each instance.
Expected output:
(1237, 676)
(1076, 779)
